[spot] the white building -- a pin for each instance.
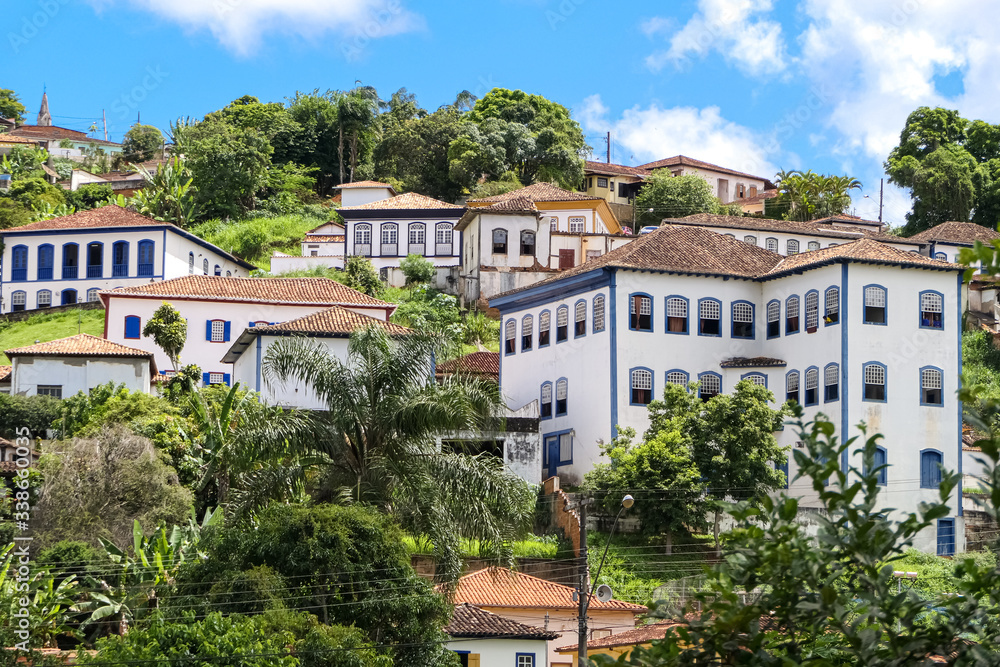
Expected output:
(860, 332)
(321, 247)
(61, 368)
(219, 308)
(70, 259)
(944, 241)
(364, 192)
(484, 639)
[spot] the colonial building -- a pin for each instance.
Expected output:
(67, 260)
(484, 639)
(861, 331)
(321, 247)
(944, 241)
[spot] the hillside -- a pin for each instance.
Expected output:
(49, 326)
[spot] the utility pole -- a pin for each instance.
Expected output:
(104, 116)
(583, 590)
(609, 146)
(881, 188)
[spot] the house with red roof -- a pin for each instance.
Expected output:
(484, 639)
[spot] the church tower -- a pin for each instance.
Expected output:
(44, 117)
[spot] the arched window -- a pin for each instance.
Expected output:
(417, 238)
(18, 301)
(773, 318)
(204, 266)
(709, 317)
(499, 241)
(678, 378)
(771, 244)
(190, 262)
(792, 386)
(874, 378)
(19, 263)
(527, 325)
(832, 302)
(752, 240)
(510, 337)
(580, 319)
(390, 239)
(70, 261)
(363, 240)
(930, 469)
(710, 385)
(144, 268)
(95, 259)
(812, 245)
(791, 247)
(68, 297)
(931, 384)
(443, 236)
(527, 243)
(812, 311)
(44, 298)
(881, 462)
(831, 383)
(93, 294)
(598, 313)
(546, 400)
(931, 310)
(218, 270)
(642, 386)
(812, 386)
(562, 324)
(562, 389)
(792, 315)
(119, 259)
(640, 312)
(544, 327)
(757, 378)
(875, 305)
(132, 327)
(46, 256)
(677, 315)
(743, 317)
(941, 256)
(229, 274)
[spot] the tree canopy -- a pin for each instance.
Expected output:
(10, 105)
(806, 195)
(141, 143)
(664, 195)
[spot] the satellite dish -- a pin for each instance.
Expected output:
(604, 593)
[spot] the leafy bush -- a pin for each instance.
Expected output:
(89, 196)
(417, 269)
(34, 412)
(13, 213)
(482, 330)
(360, 274)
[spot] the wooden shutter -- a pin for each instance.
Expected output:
(473, 660)
(567, 259)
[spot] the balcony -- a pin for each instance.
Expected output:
(45, 273)
(443, 249)
(119, 270)
(95, 271)
(363, 249)
(18, 275)
(389, 249)
(69, 272)
(145, 270)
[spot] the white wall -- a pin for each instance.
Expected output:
(77, 374)
(178, 254)
(246, 371)
(281, 263)
(403, 247)
(359, 196)
(803, 238)
(500, 652)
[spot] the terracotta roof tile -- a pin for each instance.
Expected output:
(962, 233)
(105, 216)
(337, 227)
(515, 205)
(813, 228)
(763, 195)
(56, 132)
(7, 138)
(538, 192)
(470, 621)
(685, 161)
(497, 587)
(409, 201)
(335, 321)
(478, 363)
(864, 250)
(315, 291)
(366, 184)
(81, 345)
(753, 362)
(319, 238)
(591, 167)
(641, 635)
(5, 373)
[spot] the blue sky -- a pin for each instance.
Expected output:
(756, 85)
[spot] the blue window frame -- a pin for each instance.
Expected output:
(678, 377)
(70, 261)
(946, 537)
(562, 324)
(524, 660)
(599, 316)
(792, 386)
(931, 310)
(557, 450)
(773, 319)
(931, 386)
(812, 386)
(527, 332)
(759, 379)
(783, 467)
(640, 386)
(709, 317)
(930, 468)
(95, 259)
(792, 323)
(580, 319)
(68, 297)
(119, 259)
(18, 301)
(19, 263)
(812, 311)
(709, 385)
(510, 337)
(44, 298)
(743, 313)
(190, 262)
(640, 312)
(562, 397)
(218, 270)
(46, 257)
(881, 466)
(545, 401)
(133, 327)
(831, 383)
(831, 306)
(145, 266)
(544, 328)
(875, 381)
(876, 305)
(677, 310)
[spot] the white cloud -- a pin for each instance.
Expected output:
(592, 114)
(240, 25)
(731, 27)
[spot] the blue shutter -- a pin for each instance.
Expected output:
(132, 326)
(208, 330)
(205, 379)
(226, 330)
(226, 379)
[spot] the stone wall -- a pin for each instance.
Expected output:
(25, 314)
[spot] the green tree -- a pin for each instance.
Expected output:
(10, 105)
(168, 194)
(169, 331)
(91, 195)
(316, 142)
(24, 162)
(417, 269)
(360, 274)
(13, 213)
(666, 196)
(141, 143)
(357, 129)
(806, 195)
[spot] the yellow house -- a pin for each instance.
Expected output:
(622, 643)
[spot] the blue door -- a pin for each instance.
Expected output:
(946, 537)
(68, 297)
(551, 454)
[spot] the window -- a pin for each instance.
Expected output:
(525, 660)
(812, 311)
(879, 464)
(812, 245)
(875, 305)
(792, 315)
(792, 386)
(941, 256)
(443, 233)
(640, 312)
(145, 267)
(44, 298)
(71, 261)
(390, 239)
(562, 324)
(930, 469)
(710, 385)
(68, 297)
(19, 263)
(561, 388)
(930, 387)
(946, 537)
(204, 266)
(553, 224)
(527, 324)
(216, 378)
(755, 378)
(509, 337)
(546, 409)
(218, 270)
(791, 247)
(53, 390)
(95, 260)
(771, 244)
(642, 386)
(773, 318)
(363, 240)
(46, 253)
(18, 300)
(217, 331)
(119, 259)
(742, 319)
(190, 262)
(709, 317)
(832, 302)
(602, 182)
(229, 274)
(677, 377)
(132, 327)
(831, 245)
(741, 191)
(752, 240)
(528, 243)
(92, 295)
(499, 241)
(418, 234)
(874, 376)
(580, 319)
(812, 386)
(677, 315)
(931, 310)
(598, 313)
(831, 383)
(544, 324)
(576, 224)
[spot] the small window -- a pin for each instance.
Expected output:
(941, 256)
(752, 240)
(602, 182)
(756, 378)
(930, 469)
(93, 294)
(678, 378)
(132, 327)
(792, 386)
(204, 266)
(832, 302)
(53, 390)
(562, 324)
(44, 298)
(812, 386)
(544, 324)
(598, 313)
(642, 387)
(525, 660)
(528, 243)
(874, 375)
(743, 320)
(576, 224)
(709, 317)
(832, 245)
(218, 331)
(880, 462)
(527, 324)
(773, 319)
(812, 245)
(417, 233)
(771, 244)
(640, 313)
(831, 383)
(875, 305)
(190, 262)
(677, 315)
(561, 390)
(580, 319)
(18, 301)
(216, 378)
(390, 234)
(510, 337)
(931, 310)
(792, 315)
(931, 386)
(499, 241)
(443, 234)
(218, 270)
(812, 311)
(546, 409)
(553, 224)
(229, 274)
(710, 385)
(791, 247)
(363, 236)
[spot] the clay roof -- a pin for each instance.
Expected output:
(105, 216)
(408, 201)
(753, 362)
(314, 291)
(332, 321)
(315, 230)
(56, 132)
(770, 193)
(813, 228)
(477, 363)
(641, 635)
(80, 345)
(5, 373)
(470, 621)
(367, 184)
(497, 587)
(319, 238)
(866, 251)
(8, 138)
(592, 167)
(960, 233)
(515, 205)
(849, 219)
(685, 161)
(538, 192)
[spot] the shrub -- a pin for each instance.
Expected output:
(417, 269)
(360, 274)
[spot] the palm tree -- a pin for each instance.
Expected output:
(384, 417)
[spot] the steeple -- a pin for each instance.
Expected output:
(44, 117)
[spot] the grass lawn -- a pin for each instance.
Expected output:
(49, 326)
(254, 240)
(533, 547)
